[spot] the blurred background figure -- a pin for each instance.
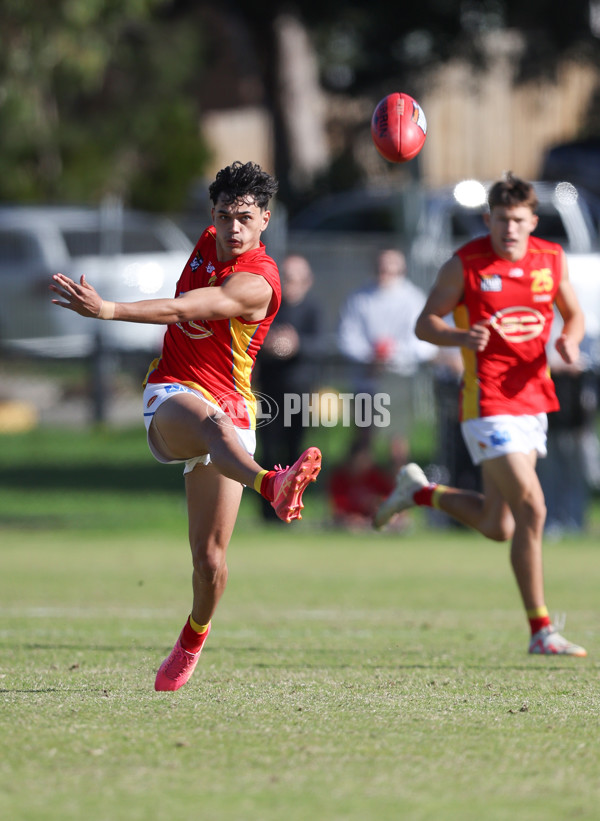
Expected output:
(571, 469)
(376, 335)
(288, 361)
(452, 464)
(357, 486)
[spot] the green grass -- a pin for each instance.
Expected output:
(348, 676)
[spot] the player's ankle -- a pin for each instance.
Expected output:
(192, 639)
(538, 618)
(263, 484)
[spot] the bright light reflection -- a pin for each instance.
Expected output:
(470, 193)
(565, 194)
(147, 276)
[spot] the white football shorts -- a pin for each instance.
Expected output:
(493, 436)
(156, 394)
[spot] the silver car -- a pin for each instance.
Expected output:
(126, 255)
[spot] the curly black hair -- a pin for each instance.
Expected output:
(240, 181)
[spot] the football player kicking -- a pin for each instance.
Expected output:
(198, 405)
(502, 289)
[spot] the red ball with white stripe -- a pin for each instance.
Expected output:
(398, 127)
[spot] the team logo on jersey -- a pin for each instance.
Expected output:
(195, 329)
(196, 261)
(518, 324)
(515, 273)
(212, 278)
(490, 283)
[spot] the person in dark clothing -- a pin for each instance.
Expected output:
(288, 362)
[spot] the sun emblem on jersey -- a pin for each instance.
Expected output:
(194, 329)
(518, 324)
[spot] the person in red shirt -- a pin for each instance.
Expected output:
(502, 289)
(198, 404)
(357, 487)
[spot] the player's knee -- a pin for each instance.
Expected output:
(501, 529)
(532, 511)
(209, 565)
(500, 533)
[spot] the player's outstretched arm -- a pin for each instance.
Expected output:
(83, 299)
(242, 294)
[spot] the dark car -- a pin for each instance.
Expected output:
(577, 161)
(374, 211)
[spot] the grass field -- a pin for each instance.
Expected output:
(348, 676)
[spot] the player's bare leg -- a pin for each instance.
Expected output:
(512, 480)
(486, 512)
(213, 503)
(511, 507)
(184, 427)
(516, 478)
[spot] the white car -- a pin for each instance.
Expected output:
(125, 255)
(454, 215)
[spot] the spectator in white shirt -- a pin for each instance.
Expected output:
(376, 334)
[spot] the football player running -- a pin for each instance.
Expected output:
(502, 289)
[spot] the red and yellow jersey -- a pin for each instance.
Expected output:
(511, 375)
(217, 356)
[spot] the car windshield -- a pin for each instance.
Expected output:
(467, 224)
(17, 247)
(83, 243)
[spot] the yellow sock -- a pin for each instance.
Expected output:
(537, 612)
(435, 496)
(538, 617)
(258, 480)
(198, 628)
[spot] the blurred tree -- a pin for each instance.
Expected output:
(366, 48)
(105, 96)
(94, 99)
(363, 44)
